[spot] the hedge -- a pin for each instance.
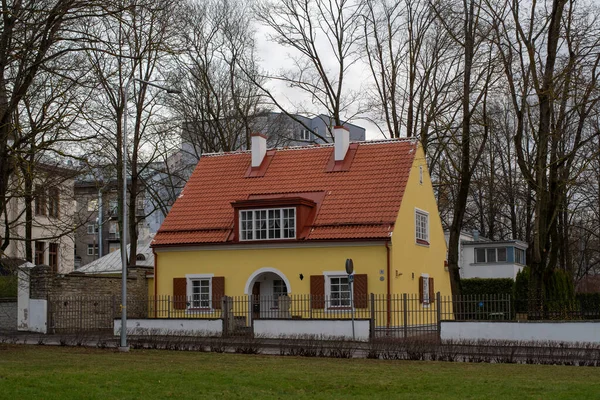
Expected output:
(8, 286)
(489, 286)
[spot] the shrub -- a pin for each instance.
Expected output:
(589, 304)
(521, 290)
(481, 286)
(8, 286)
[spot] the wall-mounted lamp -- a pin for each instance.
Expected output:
(446, 265)
(413, 276)
(398, 274)
(301, 276)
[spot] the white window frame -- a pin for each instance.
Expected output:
(305, 134)
(426, 300)
(94, 249)
(93, 230)
(475, 255)
(498, 260)
(521, 262)
(328, 276)
(486, 249)
(275, 296)
(189, 278)
(92, 205)
(254, 231)
(421, 213)
(114, 229)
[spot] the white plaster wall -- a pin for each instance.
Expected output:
(489, 270)
(23, 297)
(45, 228)
(170, 326)
(38, 316)
(276, 328)
(572, 331)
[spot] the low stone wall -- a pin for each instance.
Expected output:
(529, 331)
(46, 285)
(275, 328)
(8, 315)
(78, 302)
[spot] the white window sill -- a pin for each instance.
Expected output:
(198, 311)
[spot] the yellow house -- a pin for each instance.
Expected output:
(284, 221)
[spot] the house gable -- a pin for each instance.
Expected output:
(412, 258)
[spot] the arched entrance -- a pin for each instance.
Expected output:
(265, 288)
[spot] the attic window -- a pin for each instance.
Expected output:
(140, 257)
(266, 224)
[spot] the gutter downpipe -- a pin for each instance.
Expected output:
(389, 283)
(155, 283)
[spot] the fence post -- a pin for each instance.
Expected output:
(169, 306)
(49, 321)
(114, 310)
(405, 314)
(438, 309)
(372, 327)
(225, 315)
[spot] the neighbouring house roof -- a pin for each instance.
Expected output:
(111, 263)
(488, 242)
(361, 201)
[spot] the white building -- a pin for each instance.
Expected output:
(479, 257)
(52, 218)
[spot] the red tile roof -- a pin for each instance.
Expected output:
(360, 202)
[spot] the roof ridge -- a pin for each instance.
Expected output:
(314, 146)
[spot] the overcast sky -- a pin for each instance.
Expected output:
(274, 58)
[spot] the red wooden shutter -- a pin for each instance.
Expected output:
(360, 291)
(317, 291)
(420, 289)
(179, 293)
(218, 291)
(431, 292)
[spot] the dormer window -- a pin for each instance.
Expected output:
(305, 135)
(268, 224)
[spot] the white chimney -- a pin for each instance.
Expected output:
(341, 136)
(259, 149)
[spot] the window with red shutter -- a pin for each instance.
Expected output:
(425, 289)
(361, 292)
(317, 291)
(179, 293)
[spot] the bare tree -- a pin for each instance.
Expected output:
(546, 55)
(133, 49)
(220, 102)
(324, 37)
(465, 24)
(33, 34)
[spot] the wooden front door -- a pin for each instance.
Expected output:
(256, 300)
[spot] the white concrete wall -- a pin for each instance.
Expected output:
(38, 316)
(8, 316)
(275, 328)
(170, 326)
(46, 229)
(496, 270)
(23, 298)
(571, 331)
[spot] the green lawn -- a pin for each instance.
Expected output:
(43, 372)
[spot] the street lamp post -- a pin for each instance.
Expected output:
(124, 346)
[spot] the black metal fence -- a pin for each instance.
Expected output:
(402, 315)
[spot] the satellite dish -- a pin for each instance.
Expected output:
(349, 266)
